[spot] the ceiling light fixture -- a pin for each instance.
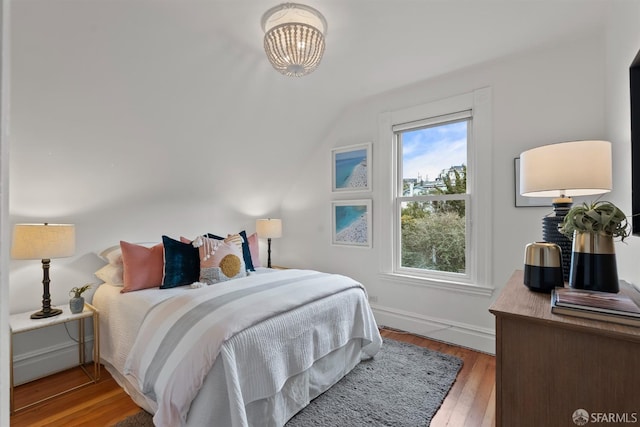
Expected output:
(294, 38)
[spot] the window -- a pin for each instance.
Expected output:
(438, 215)
(431, 213)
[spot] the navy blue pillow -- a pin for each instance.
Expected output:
(181, 263)
(246, 253)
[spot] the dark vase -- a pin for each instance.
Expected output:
(593, 263)
(76, 305)
(543, 266)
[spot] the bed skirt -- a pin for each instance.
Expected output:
(272, 411)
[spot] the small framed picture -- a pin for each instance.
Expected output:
(522, 201)
(351, 223)
(351, 168)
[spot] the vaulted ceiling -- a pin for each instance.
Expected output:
(142, 93)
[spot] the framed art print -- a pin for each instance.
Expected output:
(351, 223)
(351, 168)
(522, 201)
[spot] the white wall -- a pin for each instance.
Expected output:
(550, 94)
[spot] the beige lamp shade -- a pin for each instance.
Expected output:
(43, 241)
(269, 228)
(567, 169)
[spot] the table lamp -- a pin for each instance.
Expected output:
(561, 171)
(269, 228)
(43, 241)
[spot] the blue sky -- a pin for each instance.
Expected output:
(428, 151)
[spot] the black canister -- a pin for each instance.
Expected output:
(543, 266)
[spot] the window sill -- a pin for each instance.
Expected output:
(458, 287)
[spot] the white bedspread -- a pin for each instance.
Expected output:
(255, 364)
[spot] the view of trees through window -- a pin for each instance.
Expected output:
(433, 197)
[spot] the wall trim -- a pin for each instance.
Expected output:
(478, 271)
(447, 285)
(462, 334)
(31, 365)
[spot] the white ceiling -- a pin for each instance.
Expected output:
(112, 81)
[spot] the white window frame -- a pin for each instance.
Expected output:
(477, 278)
(399, 198)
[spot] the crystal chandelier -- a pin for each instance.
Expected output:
(294, 38)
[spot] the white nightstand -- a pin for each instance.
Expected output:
(23, 323)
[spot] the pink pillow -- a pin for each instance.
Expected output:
(254, 249)
(143, 267)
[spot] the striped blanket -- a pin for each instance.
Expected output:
(181, 337)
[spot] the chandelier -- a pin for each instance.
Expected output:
(294, 38)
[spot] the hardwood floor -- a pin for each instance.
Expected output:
(470, 403)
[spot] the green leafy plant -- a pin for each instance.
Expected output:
(78, 291)
(596, 217)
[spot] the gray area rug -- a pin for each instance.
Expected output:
(403, 386)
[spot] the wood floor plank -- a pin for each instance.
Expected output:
(489, 419)
(475, 395)
(447, 410)
(485, 391)
(470, 402)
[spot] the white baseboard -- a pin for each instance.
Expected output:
(39, 363)
(462, 334)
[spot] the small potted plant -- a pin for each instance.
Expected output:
(76, 303)
(593, 228)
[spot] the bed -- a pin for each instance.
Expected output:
(252, 361)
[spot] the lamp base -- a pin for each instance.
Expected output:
(552, 234)
(44, 314)
(47, 310)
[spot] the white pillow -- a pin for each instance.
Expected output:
(111, 273)
(113, 254)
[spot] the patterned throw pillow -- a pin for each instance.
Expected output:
(236, 239)
(220, 260)
(246, 252)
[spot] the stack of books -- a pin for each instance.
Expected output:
(605, 306)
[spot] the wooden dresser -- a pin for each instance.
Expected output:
(548, 366)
